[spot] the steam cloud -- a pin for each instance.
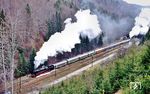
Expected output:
(139, 2)
(87, 24)
(142, 23)
(116, 17)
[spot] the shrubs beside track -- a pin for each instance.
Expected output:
(133, 67)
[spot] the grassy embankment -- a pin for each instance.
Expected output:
(133, 67)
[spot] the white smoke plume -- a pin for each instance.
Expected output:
(87, 24)
(115, 16)
(139, 2)
(142, 23)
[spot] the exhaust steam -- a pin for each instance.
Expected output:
(87, 24)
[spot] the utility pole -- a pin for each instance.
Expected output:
(92, 60)
(20, 86)
(20, 83)
(55, 72)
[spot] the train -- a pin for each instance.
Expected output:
(47, 68)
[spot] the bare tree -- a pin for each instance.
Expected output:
(13, 29)
(8, 43)
(2, 54)
(6, 48)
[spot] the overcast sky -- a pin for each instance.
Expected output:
(139, 2)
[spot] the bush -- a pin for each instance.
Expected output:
(24, 67)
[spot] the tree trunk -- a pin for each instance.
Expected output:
(3, 62)
(12, 57)
(12, 63)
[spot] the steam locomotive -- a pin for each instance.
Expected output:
(46, 67)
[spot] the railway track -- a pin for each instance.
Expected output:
(31, 84)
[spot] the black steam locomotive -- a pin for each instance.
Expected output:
(46, 67)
